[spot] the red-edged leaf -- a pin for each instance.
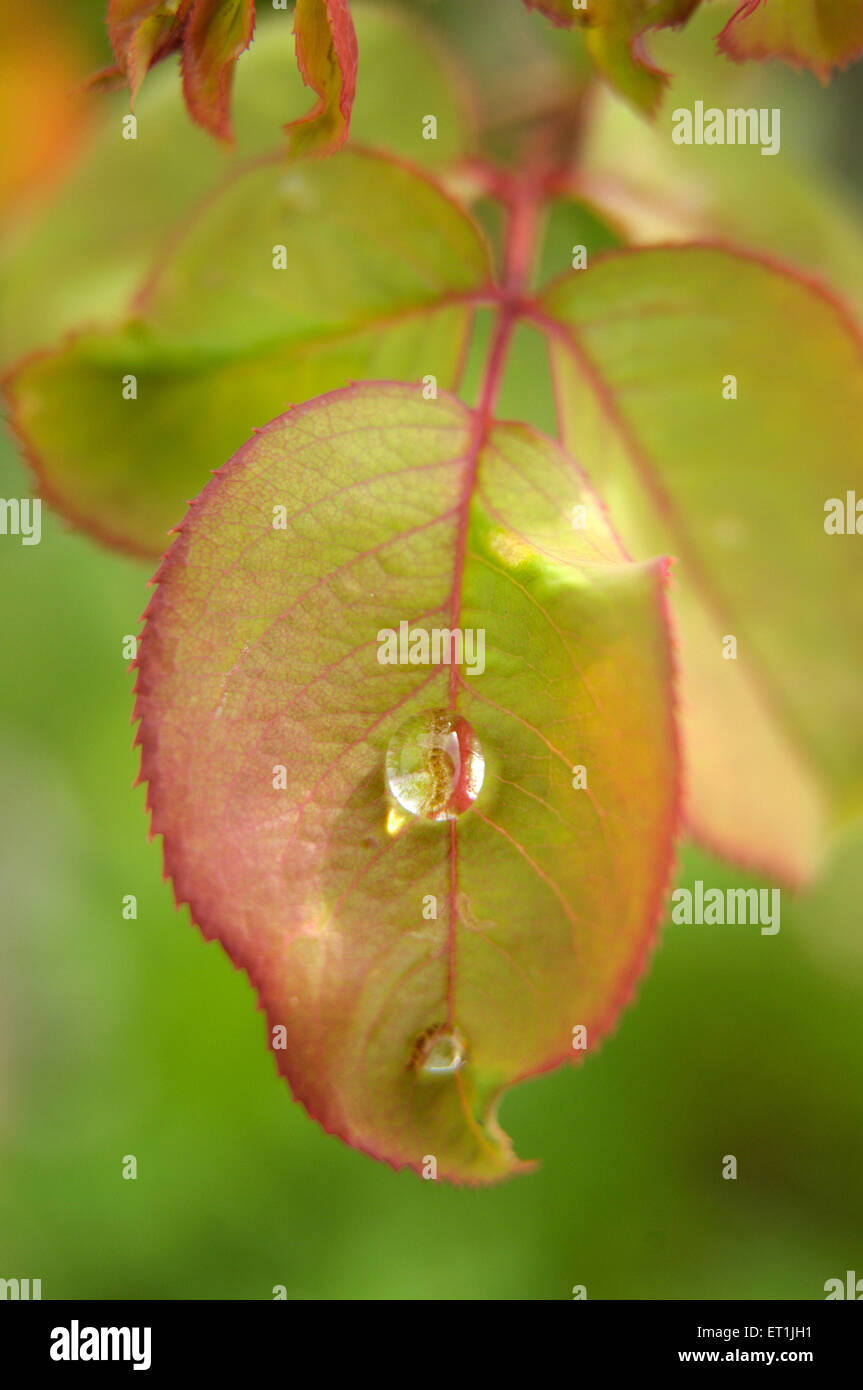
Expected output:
(327, 59)
(614, 36)
(378, 281)
(142, 32)
(412, 966)
(815, 34)
(216, 33)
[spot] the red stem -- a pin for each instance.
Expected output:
(524, 200)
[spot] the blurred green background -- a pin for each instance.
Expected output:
(122, 1037)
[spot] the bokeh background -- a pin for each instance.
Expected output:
(123, 1037)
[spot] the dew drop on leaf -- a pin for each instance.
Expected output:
(439, 1052)
(435, 765)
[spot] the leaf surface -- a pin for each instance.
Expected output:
(736, 490)
(379, 271)
(260, 658)
(815, 34)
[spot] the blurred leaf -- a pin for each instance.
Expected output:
(376, 271)
(817, 34)
(615, 43)
(814, 34)
(737, 490)
(614, 31)
(662, 192)
(327, 57)
(260, 657)
(77, 260)
(558, 11)
(41, 57)
(570, 224)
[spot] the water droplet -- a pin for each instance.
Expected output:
(439, 1052)
(435, 765)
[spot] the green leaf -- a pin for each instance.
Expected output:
(641, 345)
(514, 906)
(814, 34)
(64, 267)
(376, 273)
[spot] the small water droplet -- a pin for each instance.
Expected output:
(439, 1052)
(435, 765)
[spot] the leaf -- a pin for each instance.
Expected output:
(216, 33)
(327, 58)
(141, 33)
(213, 34)
(640, 346)
(380, 273)
(814, 34)
(63, 269)
(614, 31)
(662, 192)
(260, 653)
